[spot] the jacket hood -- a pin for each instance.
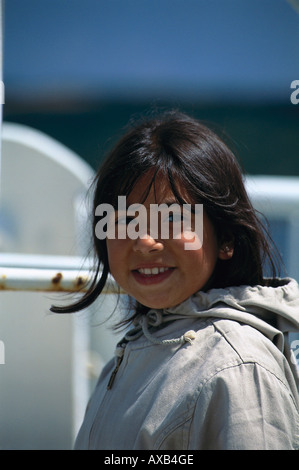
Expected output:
(273, 310)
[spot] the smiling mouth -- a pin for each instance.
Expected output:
(152, 271)
(153, 275)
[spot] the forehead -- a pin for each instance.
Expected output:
(155, 190)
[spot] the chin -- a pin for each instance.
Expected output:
(157, 305)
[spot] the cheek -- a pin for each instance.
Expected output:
(187, 253)
(194, 260)
(192, 241)
(198, 253)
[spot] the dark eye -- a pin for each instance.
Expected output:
(176, 217)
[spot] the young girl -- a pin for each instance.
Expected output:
(206, 362)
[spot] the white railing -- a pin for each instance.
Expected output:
(46, 273)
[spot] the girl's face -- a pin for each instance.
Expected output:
(161, 273)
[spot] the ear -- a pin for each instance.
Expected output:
(226, 251)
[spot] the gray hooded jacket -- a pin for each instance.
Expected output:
(214, 372)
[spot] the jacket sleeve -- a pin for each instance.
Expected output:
(245, 407)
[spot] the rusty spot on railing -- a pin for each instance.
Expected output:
(57, 279)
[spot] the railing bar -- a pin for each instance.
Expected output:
(49, 280)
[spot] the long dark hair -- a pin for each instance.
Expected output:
(192, 156)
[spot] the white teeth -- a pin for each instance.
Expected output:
(152, 271)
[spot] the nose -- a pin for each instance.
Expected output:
(147, 245)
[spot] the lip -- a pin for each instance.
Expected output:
(152, 278)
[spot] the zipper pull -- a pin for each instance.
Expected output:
(119, 352)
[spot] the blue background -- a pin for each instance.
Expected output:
(80, 69)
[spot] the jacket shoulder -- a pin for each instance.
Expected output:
(250, 345)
